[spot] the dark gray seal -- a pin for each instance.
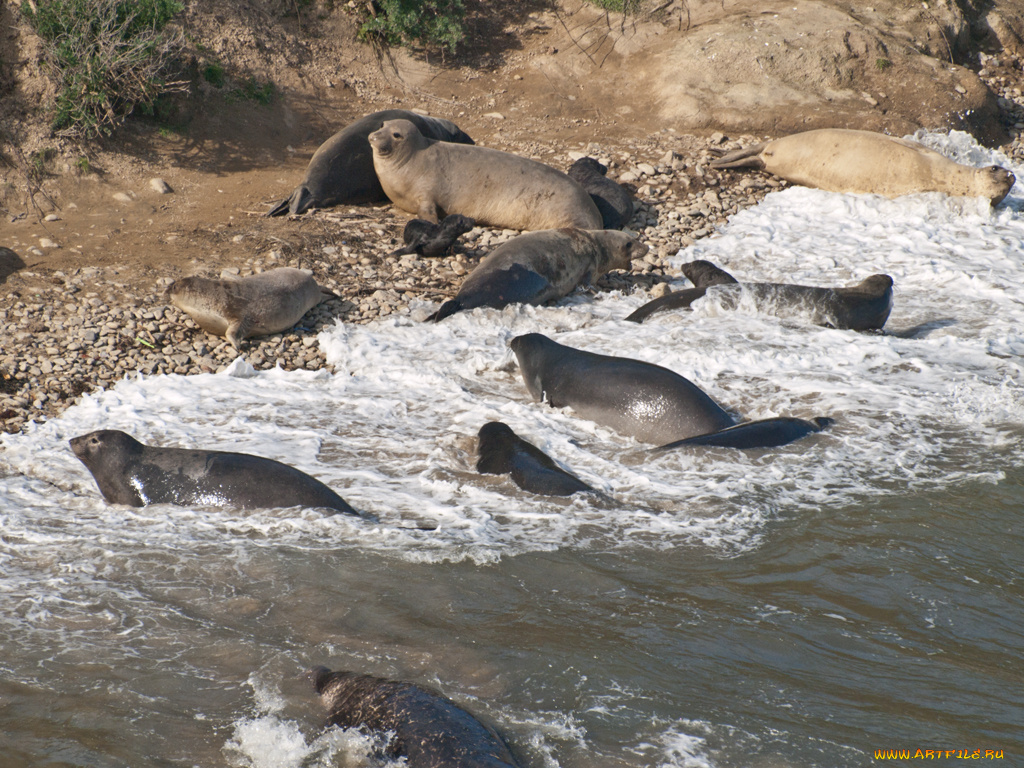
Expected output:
(861, 307)
(541, 266)
(341, 170)
(430, 731)
(650, 403)
(502, 452)
(129, 472)
(424, 238)
(612, 200)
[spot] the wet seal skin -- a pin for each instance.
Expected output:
(612, 199)
(424, 238)
(430, 731)
(129, 472)
(502, 452)
(843, 160)
(861, 307)
(341, 170)
(645, 401)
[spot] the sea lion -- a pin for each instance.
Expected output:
(502, 452)
(612, 200)
(341, 170)
(430, 731)
(129, 472)
(540, 266)
(645, 401)
(861, 307)
(269, 302)
(428, 177)
(842, 160)
(424, 238)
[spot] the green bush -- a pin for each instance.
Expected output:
(106, 56)
(408, 22)
(619, 6)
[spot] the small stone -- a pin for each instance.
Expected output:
(45, 242)
(160, 186)
(645, 168)
(661, 289)
(122, 197)
(494, 115)
(228, 272)
(51, 217)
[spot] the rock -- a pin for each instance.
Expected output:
(45, 242)
(494, 115)
(160, 186)
(51, 217)
(123, 197)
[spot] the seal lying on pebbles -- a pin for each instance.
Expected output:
(269, 302)
(424, 238)
(430, 731)
(645, 401)
(841, 160)
(612, 200)
(860, 307)
(428, 177)
(540, 266)
(502, 452)
(341, 170)
(129, 472)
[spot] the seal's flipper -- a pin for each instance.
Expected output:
(280, 209)
(450, 307)
(677, 300)
(704, 274)
(741, 158)
(766, 433)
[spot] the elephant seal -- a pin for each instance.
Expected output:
(427, 177)
(430, 731)
(842, 160)
(861, 307)
(129, 472)
(341, 170)
(612, 200)
(269, 302)
(424, 238)
(540, 266)
(502, 452)
(645, 401)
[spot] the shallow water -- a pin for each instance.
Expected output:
(854, 591)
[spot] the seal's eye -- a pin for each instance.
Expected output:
(397, 135)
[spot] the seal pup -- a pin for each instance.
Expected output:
(843, 160)
(645, 401)
(341, 170)
(861, 307)
(540, 266)
(269, 302)
(429, 178)
(502, 452)
(430, 731)
(132, 473)
(424, 238)
(612, 200)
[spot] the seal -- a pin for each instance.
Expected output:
(612, 200)
(502, 452)
(129, 472)
(425, 238)
(540, 266)
(430, 731)
(428, 177)
(645, 401)
(341, 170)
(861, 307)
(269, 302)
(843, 160)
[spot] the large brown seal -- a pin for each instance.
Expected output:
(861, 307)
(842, 160)
(430, 178)
(645, 401)
(429, 730)
(341, 170)
(540, 266)
(129, 472)
(501, 451)
(269, 302)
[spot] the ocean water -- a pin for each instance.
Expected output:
(858, 590)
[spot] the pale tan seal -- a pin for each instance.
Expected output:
(841, 160)
(266, 303)
(431, 178)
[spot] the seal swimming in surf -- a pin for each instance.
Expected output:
(424, 238)
(843, 160)
(861, 307)
(269, 302)
(502, 452)
(612, 199)
(430, 731)
(129, 472)
(428, 177)
(540, 266)
(341, 170)
(645, 401)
